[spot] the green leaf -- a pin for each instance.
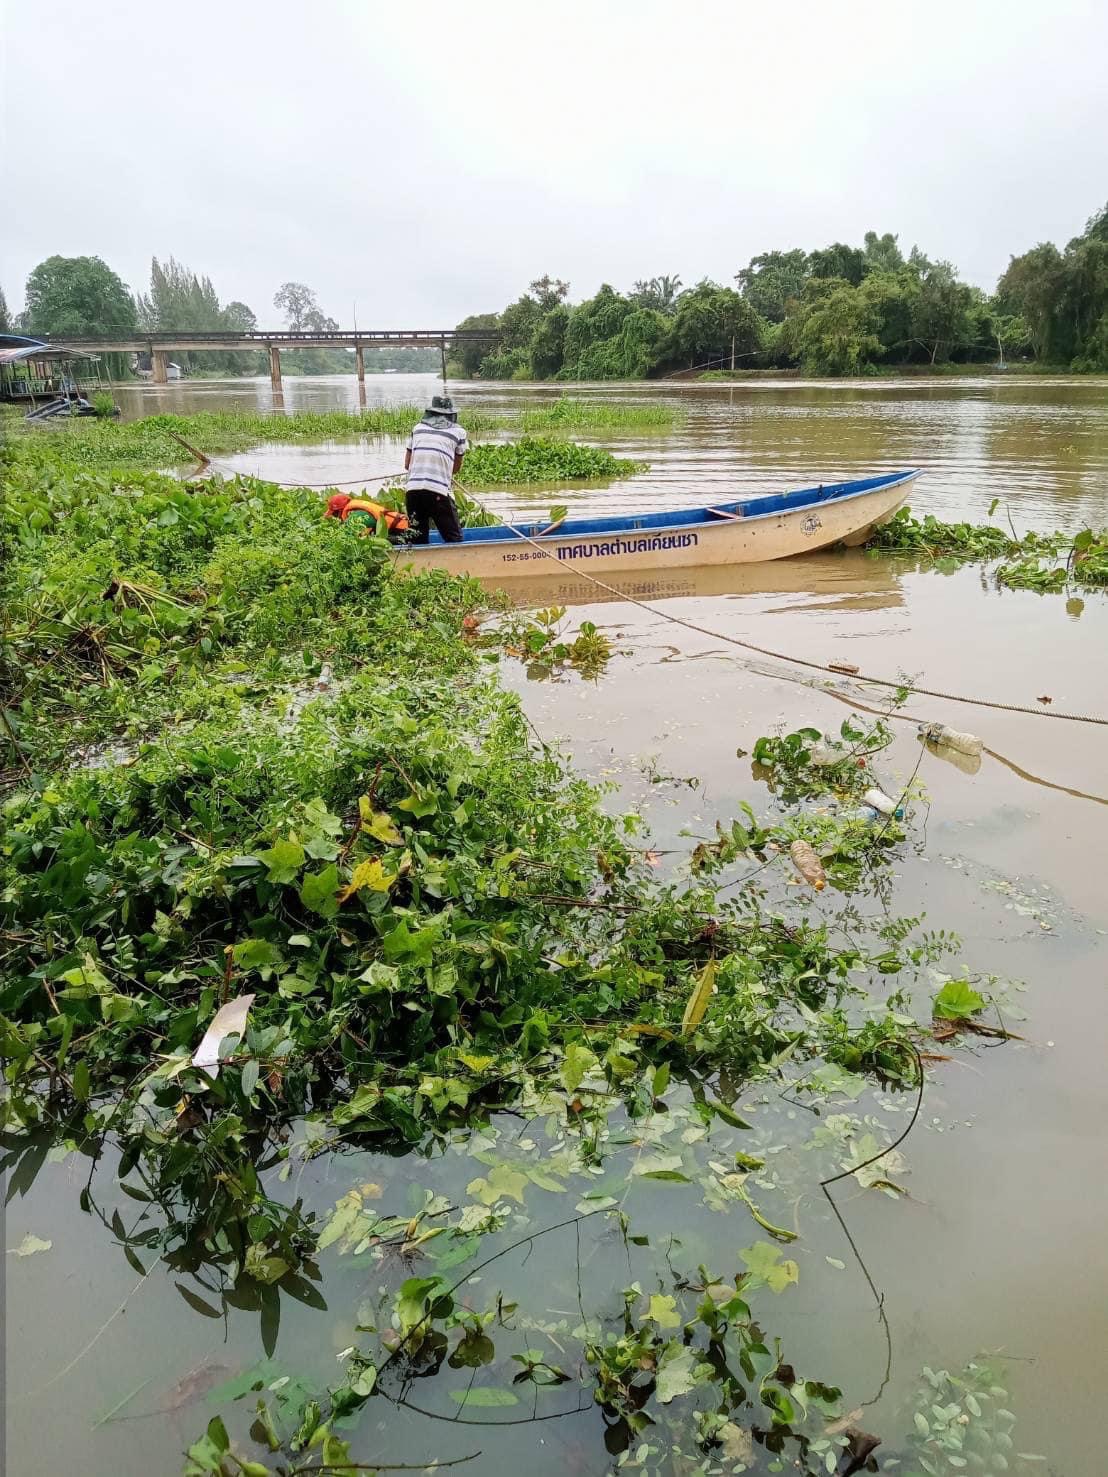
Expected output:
(262, 1265)
(319, 890)
(502, 1181)
(766, 1269)
(579, 1061)
(679, 1371)
(663, 1311)
(698, 1000)
(485, 1397)
(249, 1077)
(283, 861)
(81, 1086)
(257, 954)
(957, 1000)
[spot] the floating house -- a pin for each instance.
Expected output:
(50, 378)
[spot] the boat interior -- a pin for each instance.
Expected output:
(746, 509)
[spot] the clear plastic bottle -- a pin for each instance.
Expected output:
(822, 753)
(323, 681)
(882, 802)
(952, 738)
(808, 864)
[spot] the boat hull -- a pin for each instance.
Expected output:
(828, 518)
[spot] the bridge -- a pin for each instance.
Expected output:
(162, 345)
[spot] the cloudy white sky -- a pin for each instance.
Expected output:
(426, 161)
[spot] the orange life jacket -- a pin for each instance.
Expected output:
(341, 506)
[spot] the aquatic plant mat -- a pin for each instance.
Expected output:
(163, 440)
(357, 1016)
(1045, 562)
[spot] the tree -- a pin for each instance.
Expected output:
(659, 293)
(467, 356)
(882, 253)
(298, 303)
(771, 280)
(1031, 288)
(238, 316)
(941, 315)
(77, 295)
(180, 300)
(548, 343)
(838, 260)
(839, 330)
(5, 317)
(710, 322)
(548, 292)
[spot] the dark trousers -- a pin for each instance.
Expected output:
(425, 508)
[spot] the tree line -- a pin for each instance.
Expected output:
(839, 310)
(77, 295)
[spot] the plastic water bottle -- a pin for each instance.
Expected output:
(860, 813)
(808, 864)
(822, 753)
(882, 802)
(938, 733)
(323, 681)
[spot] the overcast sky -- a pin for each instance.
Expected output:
(425, 161)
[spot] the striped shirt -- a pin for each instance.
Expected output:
(433, 449)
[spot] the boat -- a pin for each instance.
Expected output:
(751, 531)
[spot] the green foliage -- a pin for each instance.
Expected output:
(961, 1424)
(153, 441)
(1062, 297)
(467, 356)
(1085, 554)
(839, 331)
(542, 459)
(179, 300)
(772, 281)
(77, 295)
(572, 413)
(660, 294)
(435, 919)
(711, 321)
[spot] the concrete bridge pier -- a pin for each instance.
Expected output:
(159, 359)
(359, 363)
(275, 368)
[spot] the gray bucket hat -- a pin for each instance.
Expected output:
(441, 405)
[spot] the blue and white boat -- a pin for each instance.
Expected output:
(753, 530)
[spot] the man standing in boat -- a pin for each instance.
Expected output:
(433, 459)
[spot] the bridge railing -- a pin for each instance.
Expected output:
(431, 336)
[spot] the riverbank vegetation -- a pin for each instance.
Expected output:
(264, 789)
(843, 309)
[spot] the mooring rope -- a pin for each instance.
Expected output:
(800, 661)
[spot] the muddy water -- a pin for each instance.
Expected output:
(1039, 445)
(1000, 1244)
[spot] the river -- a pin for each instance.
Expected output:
(1000, 1244)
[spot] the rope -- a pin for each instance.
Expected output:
(784, 656)
(314, 486)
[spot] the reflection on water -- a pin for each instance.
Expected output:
(848, 576)
(1039, 445)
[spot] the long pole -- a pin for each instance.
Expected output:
(442, 347)
(732, 353)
